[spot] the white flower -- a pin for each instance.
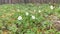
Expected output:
(39, 11)
(19, 18)
(51, 7)
(27, 13)
(33, 17)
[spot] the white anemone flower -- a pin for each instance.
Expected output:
(33, 17)
(19, 18)
(39, 11)
(27, 13)
(51, 7)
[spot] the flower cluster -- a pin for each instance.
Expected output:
(20, 17)
(27, 13)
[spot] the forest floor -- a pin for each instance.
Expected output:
(29, 19)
